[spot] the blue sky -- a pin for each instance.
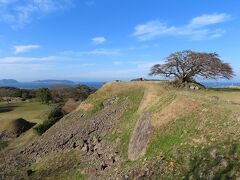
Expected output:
(98, 40)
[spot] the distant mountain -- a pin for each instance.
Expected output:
(52, 81)
(35, 84)
(49, 83)
(8, 81)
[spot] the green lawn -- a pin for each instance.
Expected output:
(30, 111)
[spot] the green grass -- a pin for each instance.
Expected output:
(163, 102)
(217, 122)
(128, 120)
(58, 167)
(31, 111)
(227, 94)
(171, 135)
(185, 142)
(67, 165)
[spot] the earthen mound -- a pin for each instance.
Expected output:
(16, 128)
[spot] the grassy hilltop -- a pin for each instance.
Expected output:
(137, 129)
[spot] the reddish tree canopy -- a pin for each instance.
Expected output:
(186, 65)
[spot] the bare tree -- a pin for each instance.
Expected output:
(185, 66)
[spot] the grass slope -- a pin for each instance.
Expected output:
(32, 111)
(196, 133)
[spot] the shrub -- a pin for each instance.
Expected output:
(43, 95)
(79, 93)
(55, 115)
(70, 106)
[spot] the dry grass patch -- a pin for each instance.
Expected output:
(70, 105)
(84, 106)
(121, 87)
(152, 95)
(178, 107)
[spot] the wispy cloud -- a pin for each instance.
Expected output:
(99, 40)
(143, 65)
(22, 59)
(197, 29)
(24, 48)
(147, 65)
(208, 19)
(103, 52)
(151, 30)
(117, 62)
(17, 13)
(94, 52)
(73, 56)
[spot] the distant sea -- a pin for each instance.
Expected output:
(93, 84)
(35, 85)
(222, 84)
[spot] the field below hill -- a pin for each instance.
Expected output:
(33, 112)
(132, 130)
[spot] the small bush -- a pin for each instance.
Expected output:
(43, 95)
(55, 115)
(70, 106)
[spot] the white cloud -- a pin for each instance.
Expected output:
(151, 29)
(117, 62)
(24, 48)
(207, 19)
(197, 29)
(64, 56)
(147, 65)
(94, 52)
(99, 40)
(17, 14)
(143, 65)
(103, 52)
(18, 59)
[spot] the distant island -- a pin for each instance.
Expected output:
(45, 83)
(8, 81)
(53, 81)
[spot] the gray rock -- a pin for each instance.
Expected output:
(140, 137)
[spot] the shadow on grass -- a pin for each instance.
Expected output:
(3, 144)
(225, 89)
(8, 108)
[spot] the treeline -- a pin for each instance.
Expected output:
(54, 116)
(16, 92)
(65, 100)
(57, 94)
(62, 99)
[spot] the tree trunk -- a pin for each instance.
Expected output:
(185, 81)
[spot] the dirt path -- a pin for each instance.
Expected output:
(143, 128)
(151, 96)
